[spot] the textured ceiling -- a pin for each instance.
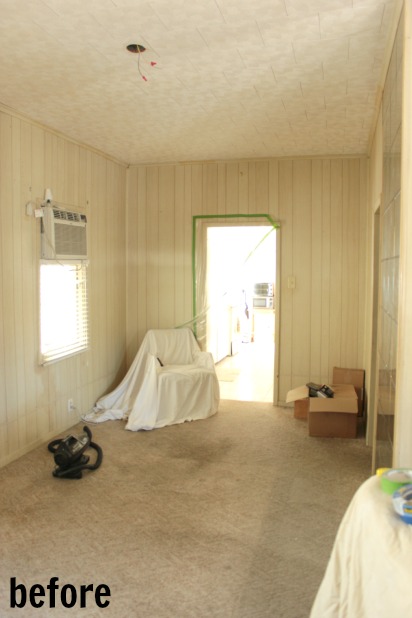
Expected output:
(233, 78)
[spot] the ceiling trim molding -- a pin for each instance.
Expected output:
(385, 67)
(12, 112)
(250, 160)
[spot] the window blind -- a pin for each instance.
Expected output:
(63, 310)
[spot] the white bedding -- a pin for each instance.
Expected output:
(369, 573)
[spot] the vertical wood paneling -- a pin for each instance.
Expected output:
(273, 196)
(17, 234)
(346, 250)
(302, 255)
(197, 189)
(351, 255)
(116, 266)
(232, 188)
(167, 263)
(182, 264)
(152, 290)
(252, 188)
(84, 173)
(261, 204)
(33, 399)
(316, 272)
(209, 182)
(364, 233)
(221, 189)
(71, 194)
(325, 293)
(137, 261)
(50, 162)
(336, 275)
(29, 280)
(134, 246)
(188, 242)
(286, 316)
(98, 267)
(319, 204)
(41, 378)
(9, 279)
(243, 187)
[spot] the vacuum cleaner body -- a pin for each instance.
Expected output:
(69, 455)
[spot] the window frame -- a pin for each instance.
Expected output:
(78, 321)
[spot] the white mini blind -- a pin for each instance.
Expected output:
(63, 310)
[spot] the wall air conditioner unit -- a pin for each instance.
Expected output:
(63, 235)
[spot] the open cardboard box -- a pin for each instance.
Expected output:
(334, 417)
(356, 377)
(300, 398)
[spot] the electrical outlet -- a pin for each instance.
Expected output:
(70, 406)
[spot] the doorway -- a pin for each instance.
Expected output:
(240, 292)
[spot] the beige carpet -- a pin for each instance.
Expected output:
(231, 517)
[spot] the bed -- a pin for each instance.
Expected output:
(369, 573)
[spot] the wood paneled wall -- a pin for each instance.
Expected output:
(140, 273)
(33, 399)
(321, 207)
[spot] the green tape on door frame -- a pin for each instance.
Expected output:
(195, 218)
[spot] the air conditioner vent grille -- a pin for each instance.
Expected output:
(65, 215)
(63, 235)
(70, 240)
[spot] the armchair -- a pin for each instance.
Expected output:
(170, 381)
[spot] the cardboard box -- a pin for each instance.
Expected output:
(337, 417)
(301, 408)
(300, 398)
(329, 417)
(356, 377)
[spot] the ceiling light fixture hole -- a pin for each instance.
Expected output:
(135, 48)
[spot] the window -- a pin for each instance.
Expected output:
(63, 309)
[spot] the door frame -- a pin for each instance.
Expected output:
(372, 422)
(234, 220)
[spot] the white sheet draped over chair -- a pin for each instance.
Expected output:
(170, 381)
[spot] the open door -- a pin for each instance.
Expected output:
(237, 316)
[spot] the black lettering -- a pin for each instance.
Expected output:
(73, 593)
(52, 587)
(102, 591)
(68, 595)
(23, 594)
(83, 590)
(34, 594)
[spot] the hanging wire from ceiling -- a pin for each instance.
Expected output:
(138, 49)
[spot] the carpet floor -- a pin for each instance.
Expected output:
(229, 517)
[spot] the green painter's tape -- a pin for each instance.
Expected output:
(275, 225)
(402, 503)
(394, 479)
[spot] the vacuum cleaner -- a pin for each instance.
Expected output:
(69, 455)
